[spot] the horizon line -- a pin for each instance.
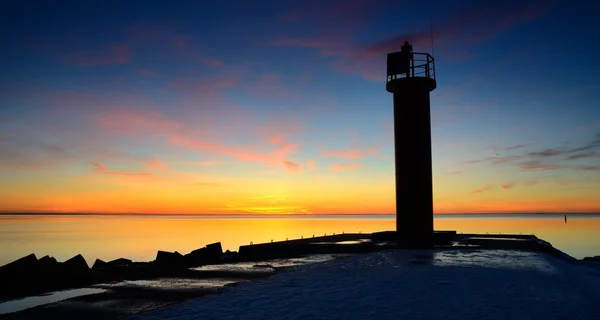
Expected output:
(271, 214)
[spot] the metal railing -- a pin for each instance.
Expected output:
(421, 65)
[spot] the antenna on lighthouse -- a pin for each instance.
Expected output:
(431, 32)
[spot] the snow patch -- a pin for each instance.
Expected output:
(419, 284)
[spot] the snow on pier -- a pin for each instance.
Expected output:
(417, 284)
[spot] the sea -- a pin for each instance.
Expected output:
(139, 237)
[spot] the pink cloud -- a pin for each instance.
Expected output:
(508, 186)
(351, 153)
(484, 189)
(117, 120)
(310, 164)
(511, 185)
(155, 163)
(130, 120)
(344, 166)
(282, 149)
(292, 166)
(203, 163)
(116, 54)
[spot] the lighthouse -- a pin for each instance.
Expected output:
(410, 78)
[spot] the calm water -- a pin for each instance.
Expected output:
(139, 237)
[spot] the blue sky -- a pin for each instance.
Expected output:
(286, 95)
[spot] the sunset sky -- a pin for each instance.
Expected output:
(232, 107)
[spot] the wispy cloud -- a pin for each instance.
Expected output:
(511, 185)
(508, 185)
(484, 189)
(453, 173)
(202, 163)
(155, 163)
(344, 166)
(98, 168)
(291, 166)
(456, 35)
(584, 156)
(558, 158)
(351, 153)
(477, 25)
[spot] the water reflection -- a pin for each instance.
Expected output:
(30, 302)
(138, 238)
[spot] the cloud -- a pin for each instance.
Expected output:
(588, 168)
(344, 166)
(351, 153)
(547, 153)
(484, 189)
(455, 35)
(310, 164)
(583, 156)
(538, 160)
(116, 54)
(508, 185)
(511, 185)
(470, 27)
(155, 163)
(515, 147)
(452, 173)
(291, 166)
(202, 163)
(23, 152)
(98, 168)
(539, 166)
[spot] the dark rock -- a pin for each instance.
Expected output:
(170, 259)
(47, 264)
(75, 265)
(229, 256)
(24, 264)
(99, 264)
(591, 259)
(197, 258)
(215, 250)
(119, 262)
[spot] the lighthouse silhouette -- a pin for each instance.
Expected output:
(410, 78)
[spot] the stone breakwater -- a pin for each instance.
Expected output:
(30, 275)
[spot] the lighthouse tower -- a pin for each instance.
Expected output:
(410, 78)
